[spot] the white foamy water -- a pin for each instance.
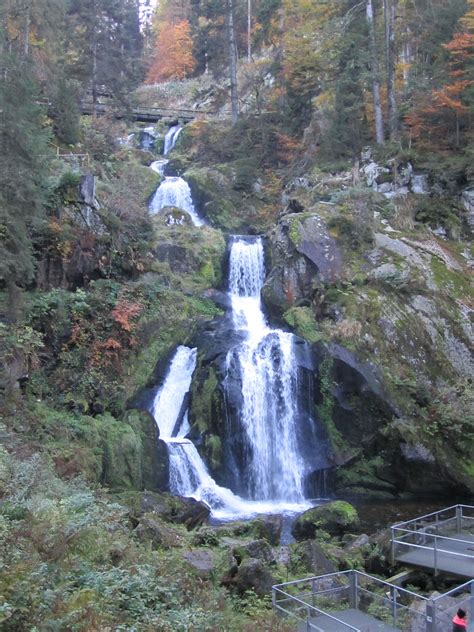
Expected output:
(171, 137)
(158, 166)
(188, 473)
(275, 468)
(175, 191)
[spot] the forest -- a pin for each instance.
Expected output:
(162, 165)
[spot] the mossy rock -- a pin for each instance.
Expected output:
(148, 179)
(122, 454)
(335, 518)
(302, 320)
(213, 196)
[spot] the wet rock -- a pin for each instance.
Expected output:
(335, 518)
(188, 511)
(269, 528)
(87, 191)
(152, 529)
(416, 452)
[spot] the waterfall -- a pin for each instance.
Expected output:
(274, 465)
(158, 166)
(174, 191)
(188, 474)
(171, 138)
(147, 138)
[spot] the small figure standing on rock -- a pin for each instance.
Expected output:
(460, 621)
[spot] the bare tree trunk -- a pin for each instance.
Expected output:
(94, 78)
(249, 30)
(232, 49)
(379, 134)
(26, 36)
(390, 9)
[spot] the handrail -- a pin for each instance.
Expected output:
(430, 535)
(430, 548)
(348, 573)
(308, 606)
(469, 583)
(145, 109)
(434, 513)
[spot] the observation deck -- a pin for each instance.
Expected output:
(442, 541)
(352, 601)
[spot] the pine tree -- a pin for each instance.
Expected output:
(23, 168)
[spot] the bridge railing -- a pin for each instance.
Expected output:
(440, 532)
(75, 160)
(88, 107)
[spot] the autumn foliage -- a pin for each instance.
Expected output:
(173, 56)
(444, 113)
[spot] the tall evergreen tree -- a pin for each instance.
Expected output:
(23, 168)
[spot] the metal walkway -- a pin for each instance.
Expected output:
(442, 541)
(358, 620)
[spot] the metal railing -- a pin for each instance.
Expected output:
(439, 535)
(314, 602)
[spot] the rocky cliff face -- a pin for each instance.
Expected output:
(386, 304)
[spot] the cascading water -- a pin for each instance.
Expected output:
(273, 462)
(171, 137)
(174, 191)
(158, 166)
(147, 138)
(187, 471)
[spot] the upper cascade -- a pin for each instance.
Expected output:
(171, 137)
(175, 191)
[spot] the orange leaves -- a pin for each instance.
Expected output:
(443, 115)
(461, 44)
(124, 312)
(173, 57)
(450, 96)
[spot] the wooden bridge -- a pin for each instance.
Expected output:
(141, 113)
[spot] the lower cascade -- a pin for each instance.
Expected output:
(188, 474)
(275, 445)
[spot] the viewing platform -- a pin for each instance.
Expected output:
(352, 601)
(442, 541)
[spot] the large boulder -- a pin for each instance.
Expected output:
(335, 518)
(203, 562)
(152, 529)
(250, 575)
(310, 557)
(177, 509)
(269, 528)
(256, 549)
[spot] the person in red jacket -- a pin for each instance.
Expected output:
(460, 621)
